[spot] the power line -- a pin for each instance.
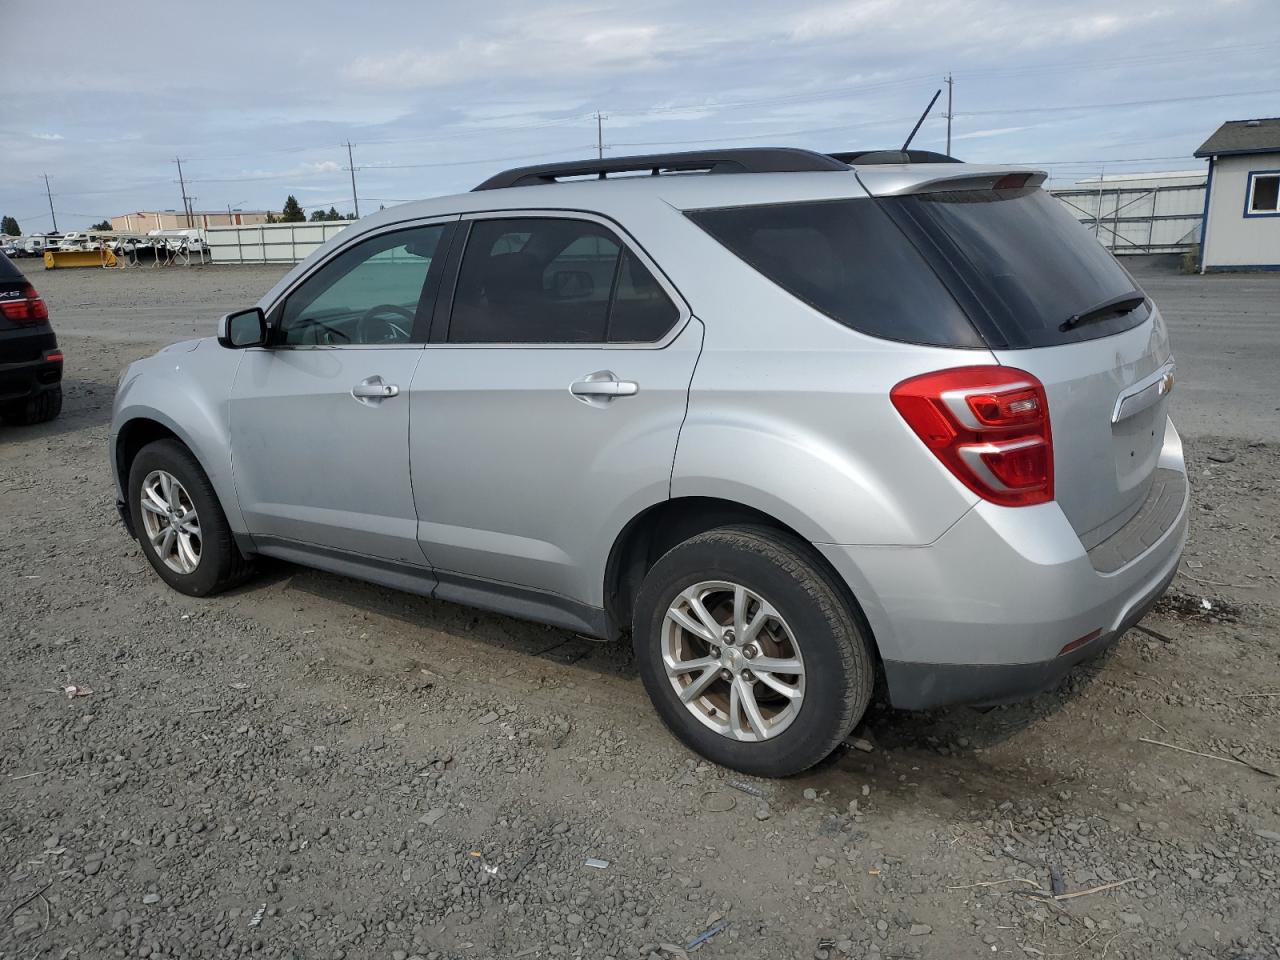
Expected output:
(1117, 105)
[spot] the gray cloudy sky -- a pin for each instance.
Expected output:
(257, 97)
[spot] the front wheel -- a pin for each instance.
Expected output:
(180, 523)
(750, 652)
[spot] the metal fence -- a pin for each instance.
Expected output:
(1158, 219)
(270, 242)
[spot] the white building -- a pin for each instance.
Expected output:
(1241, 229)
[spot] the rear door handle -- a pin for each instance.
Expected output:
(602, 386)
(372, 390)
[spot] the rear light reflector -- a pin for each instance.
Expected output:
(26, 308)
(1077, 644)
(1012, 181)
(53, 356)
(988, 425)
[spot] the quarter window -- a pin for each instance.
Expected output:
(554, 280)
(642, 312)
(370, 293)
(1266, 193)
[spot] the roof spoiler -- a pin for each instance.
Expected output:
(898, 181)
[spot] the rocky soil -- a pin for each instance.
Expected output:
(315, 767)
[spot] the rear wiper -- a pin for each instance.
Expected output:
(1115, 307)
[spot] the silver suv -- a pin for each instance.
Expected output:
(792, 421)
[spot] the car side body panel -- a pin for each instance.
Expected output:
(185, 388)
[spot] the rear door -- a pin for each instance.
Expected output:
(1049, 299)
(545, 411)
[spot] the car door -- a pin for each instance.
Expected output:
(546, 409)
(320, 417)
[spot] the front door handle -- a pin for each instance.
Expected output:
(602, 386)
(372, 390)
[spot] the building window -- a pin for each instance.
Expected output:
(1264, 194)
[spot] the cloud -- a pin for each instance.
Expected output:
(535, 46)
(47, 136)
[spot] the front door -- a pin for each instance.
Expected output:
(545, 412)
(320, 418)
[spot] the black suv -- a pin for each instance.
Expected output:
(30, 361)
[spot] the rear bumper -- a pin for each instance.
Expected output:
(19, 380)
(983, 614)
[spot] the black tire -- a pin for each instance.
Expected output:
(835, 646)
(221, 565)
(45, 405)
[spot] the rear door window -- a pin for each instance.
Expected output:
(554, 280)
(847, 259)
(1020, 262)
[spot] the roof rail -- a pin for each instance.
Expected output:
(866, 157)
(740, 160)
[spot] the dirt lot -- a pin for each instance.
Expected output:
(314, 767)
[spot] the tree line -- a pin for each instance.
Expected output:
(292, 212)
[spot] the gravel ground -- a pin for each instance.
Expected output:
(315, 767)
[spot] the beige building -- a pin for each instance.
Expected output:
(144, 221)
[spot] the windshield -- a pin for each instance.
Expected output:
(1019, 263)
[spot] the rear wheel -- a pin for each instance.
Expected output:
(43, 406)
(180, 523)
(750, 652)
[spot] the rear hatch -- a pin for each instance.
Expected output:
(25, 334)
(1047, 298)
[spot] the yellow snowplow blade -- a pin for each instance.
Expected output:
(53, 259)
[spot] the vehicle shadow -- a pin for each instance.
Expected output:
(85, 404)
(415, 612)
(928, 758)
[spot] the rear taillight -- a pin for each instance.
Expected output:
(27, 307)
(988, 425)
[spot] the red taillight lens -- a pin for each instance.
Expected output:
(27, 307)
(988, 425)
(53, 356)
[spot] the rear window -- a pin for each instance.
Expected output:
(1019, 263)
(8, 272)
(847, 259)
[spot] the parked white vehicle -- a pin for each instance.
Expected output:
(37, 244)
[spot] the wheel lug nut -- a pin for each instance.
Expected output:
(715, 651)
(748, 676)
(750, 650)
(725, 675)
(728, 637)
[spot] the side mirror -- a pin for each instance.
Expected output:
(244, 328)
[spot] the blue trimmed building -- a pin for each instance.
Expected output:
(1240, 229)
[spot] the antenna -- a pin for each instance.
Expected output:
(937, 93)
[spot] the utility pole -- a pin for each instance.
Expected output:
(49, 193)
(351, 165)
(950, 84)
(186, 204)
(600, 118)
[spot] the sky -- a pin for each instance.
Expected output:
(258, 99)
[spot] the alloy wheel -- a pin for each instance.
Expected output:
(732, 660)
(170, 522)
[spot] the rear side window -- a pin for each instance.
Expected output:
(8, 271)
(554, 280)
(1020, 263)
(847, 259)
